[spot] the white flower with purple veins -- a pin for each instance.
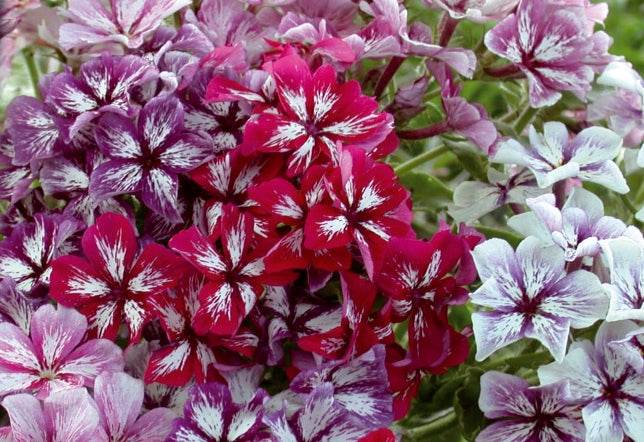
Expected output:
(625, 261)
(527, 413)
(103, 85)
(359, 386)
(147, 157)
(476, 10)
(553, 156)
(473, 199)
(577, 228)
(604, 382)
(530, 295)
(118, 21)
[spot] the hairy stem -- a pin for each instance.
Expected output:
(525, 118)
(34, 76)
(420, 159)
(433, 427)
(387, 75)
(446, 29)
(426, 132)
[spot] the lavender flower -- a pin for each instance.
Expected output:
(625, 261)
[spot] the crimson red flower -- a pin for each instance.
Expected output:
(314, 114)
(235, 271)
(368, 207)
(114, 281)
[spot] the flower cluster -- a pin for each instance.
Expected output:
(212, 229)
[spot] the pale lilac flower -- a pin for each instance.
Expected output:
(119, 398)
(359, 386)
(69, 415)
(625, 261)
(53, 357)
(595, 13)
(103, 85)
(553, 156)
(121, 21)
(551, 45)
(604, 383)
(147, 157)
(527, 413)
(15, 307)
(530, 295)
(211, 414)
(475, 10)
(26, 255)
(577, 228)
(473, 199)
(332, 422)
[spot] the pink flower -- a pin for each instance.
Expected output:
(53, 356)
(552, 46)
(368, 207)
(314, 114)
(475, 10)
(115, 280)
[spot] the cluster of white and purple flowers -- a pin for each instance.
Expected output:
(293, 221)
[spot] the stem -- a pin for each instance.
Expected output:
(525, 118)
(498, 233)
(521, 360)
(559, 189)
(631, 208)
(446, 29)
(387, 75)
(28, 54)
(426, 132)
(420, 159)
(435, 426)
(509, 70)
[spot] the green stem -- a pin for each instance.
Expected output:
(28, 54)
(420, 159)
(435, 426)
(630, 206)
(525, 118)
(498, 233)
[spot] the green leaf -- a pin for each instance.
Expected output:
(470, 419)
(426, 191)
(474, 163)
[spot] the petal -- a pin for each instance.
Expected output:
(198, 251)
(74, 282)
(294, 85)
(594, 145)
(27, 418)
(187, 153)
(153, 426)
(160, 121)
(171, 365)
(503, 395)
(117, 137)
(602, 422)
(110, 245)
(119, 398)
(279, 197)
(72, 415)
(209, 408)
(69, 96)
(160, 193)
(607, 174)
(116, 177)
(60, 175)
(156, 269)
(541, 266)
(221, 88)
(223, 307)
(495, 330)
(509, 430)
(55, 333)
(551, 331)
(326, 228)
(237, 234)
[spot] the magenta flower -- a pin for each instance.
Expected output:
(531, 296)
(53, 356)
(360, 386)
(119, 398)
(14, 180)
(103, 85)
(554, 156)
(551, 45)
(27, 254)
(65, 415)
(235, 274)
(211, 415)
(148, 157)
(527, 413)
(94, 22)
(368, 208)
(315, 113)
(605, 382)
(577, 228)
(115, 280)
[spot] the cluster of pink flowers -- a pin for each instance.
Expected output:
(205, 239)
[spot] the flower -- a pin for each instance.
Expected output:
(473, 199)
(577, 228)
(15, 307)
(604, 383)
(211, 415)
(147, 158)
(476, 10)
(368, 208)
(531, 296)
(27, 254)
(551, 45)
(314, 114)
(359, 386)
(332, 422)
(103, 85)
(14, 180)
(52, 357)
(121, 21)
(69, 415)
(118, 399)
(415, 277)
(115, 280)
(625, 261)
(235, 274)
(527, 413)
(553, 156)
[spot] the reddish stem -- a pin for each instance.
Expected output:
(446, 29)
(387, 75)
(509, 70)
(559, 189)
(425, 132)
